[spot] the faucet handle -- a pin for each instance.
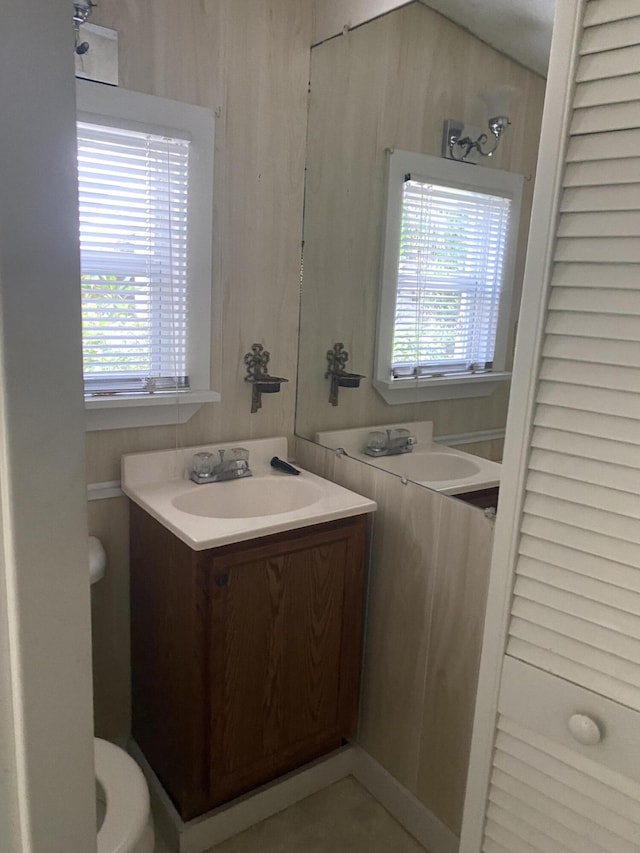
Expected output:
(377, 443)
(398, 433)
(202, 464)
(240, 459)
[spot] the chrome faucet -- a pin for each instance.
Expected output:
(234, 467)
(391, 442)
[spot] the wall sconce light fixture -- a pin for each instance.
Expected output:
(256, 362)
(337, 358)
(464, 143)
(82, 9)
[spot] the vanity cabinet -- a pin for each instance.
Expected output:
(246, 657)
(482, 498)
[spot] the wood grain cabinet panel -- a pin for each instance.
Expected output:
(245, 658)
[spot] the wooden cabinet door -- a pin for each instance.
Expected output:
(170, 701)
(285, 625)
(245, 659)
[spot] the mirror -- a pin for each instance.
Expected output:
(390, 84)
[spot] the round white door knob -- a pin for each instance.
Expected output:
(585, 730)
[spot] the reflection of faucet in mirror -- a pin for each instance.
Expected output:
(392, 442)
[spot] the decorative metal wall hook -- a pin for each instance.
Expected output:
(256, 362)
(337, 358)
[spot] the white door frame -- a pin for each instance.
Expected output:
(47, 789)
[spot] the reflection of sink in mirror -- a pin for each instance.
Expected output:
(251, 499)
(431, 465)
(444, 469)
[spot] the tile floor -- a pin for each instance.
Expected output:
(343, 818)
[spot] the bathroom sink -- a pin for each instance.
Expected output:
(249, 498)
(433, 467)
(214, 514)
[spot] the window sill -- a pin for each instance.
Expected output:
(441, 388)
(123, 411)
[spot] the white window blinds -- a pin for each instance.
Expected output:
(133, 242)
(451, 262)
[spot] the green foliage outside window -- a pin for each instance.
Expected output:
(430, 321)
(111, 302)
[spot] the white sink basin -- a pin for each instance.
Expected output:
(249, 498)
(206, 516)
(432, 467)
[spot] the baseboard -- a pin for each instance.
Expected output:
(415, 817)
(222, 823)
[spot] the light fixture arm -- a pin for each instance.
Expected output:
(461, 146)
(82, 9)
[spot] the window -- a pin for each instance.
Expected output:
(446, 281)
(133, 190)
(145, 202)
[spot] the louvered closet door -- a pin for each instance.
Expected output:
(576, 609)
(549, 793)
(577, 597)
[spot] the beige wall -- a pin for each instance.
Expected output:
(332, 16)
(249, 61)
(427, 592)
(426, 69)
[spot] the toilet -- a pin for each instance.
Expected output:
(123, 813)
(122, 802)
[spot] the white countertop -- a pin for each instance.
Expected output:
(156, 479)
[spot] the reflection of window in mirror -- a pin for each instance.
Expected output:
(447, 277)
